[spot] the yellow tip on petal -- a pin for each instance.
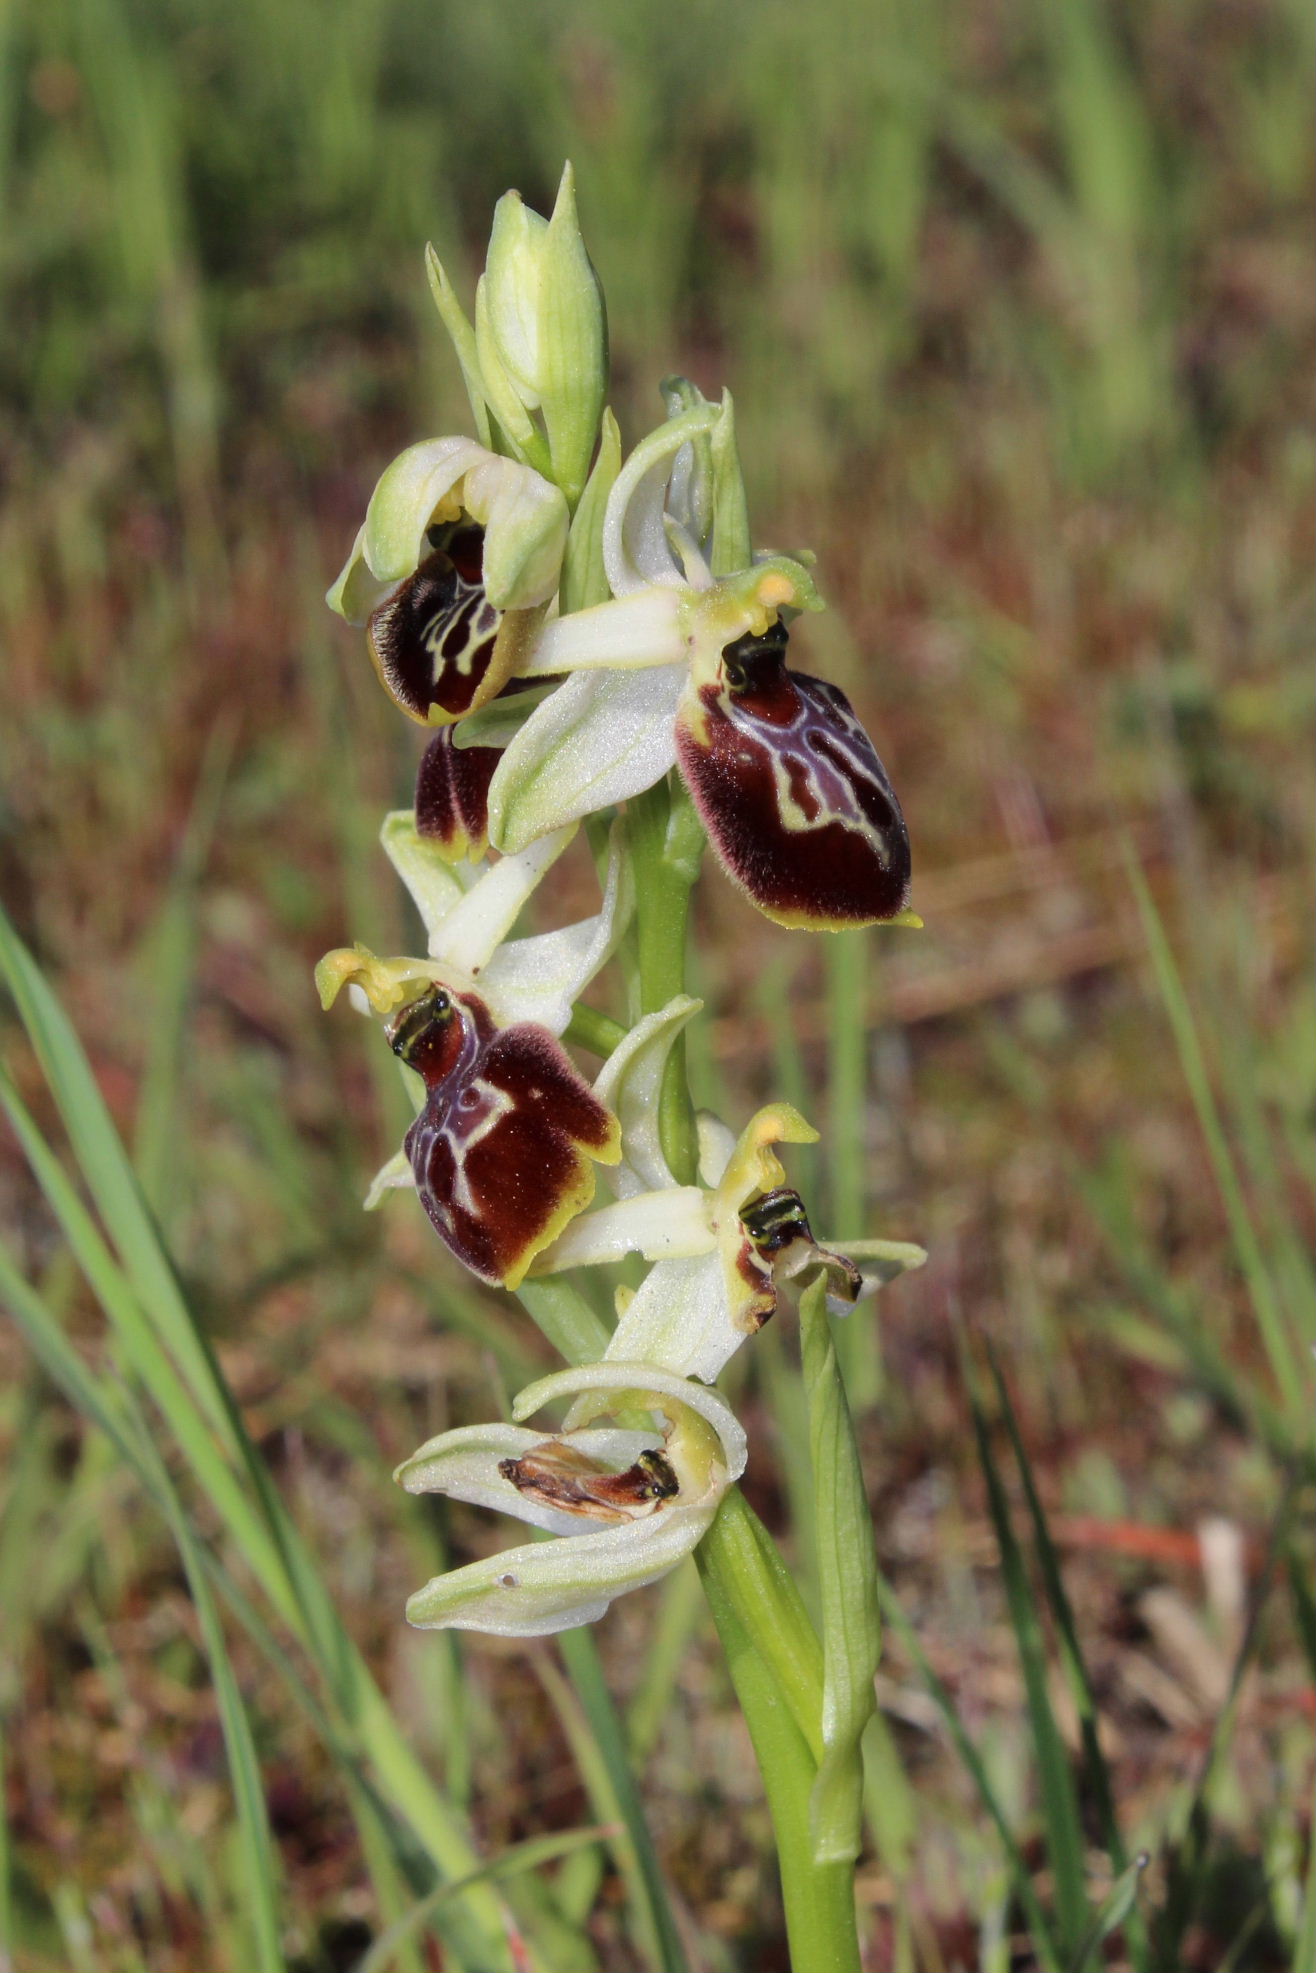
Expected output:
(910, 918)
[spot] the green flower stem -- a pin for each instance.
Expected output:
(667, 841)
(773, 1652)
(819, 1899)
(590, 1029)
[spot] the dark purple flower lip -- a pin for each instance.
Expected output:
(452, 796)
(501, 1151)
(434, 639)
(796, 803)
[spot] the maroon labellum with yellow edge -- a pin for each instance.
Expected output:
(452, 796)
(796, 802)
(433, 640)
(501, 1149)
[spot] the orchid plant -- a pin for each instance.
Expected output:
(594, 641)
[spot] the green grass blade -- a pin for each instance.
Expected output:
(108, 1173)
(1281, 1348)
(598, 1743)
(533, 1854)
(258, 1853)
(1115, 1911)
(680, 1610)
(170, 965)
(1039, 1925)
(271, 1545)
(1076, 1673)
(1062, 1824)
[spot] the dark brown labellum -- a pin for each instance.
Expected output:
(433, 639)
(795, 800)
(452, 796)
(501, 1149)
(562, 1476)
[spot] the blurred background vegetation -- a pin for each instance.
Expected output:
(1015, 298)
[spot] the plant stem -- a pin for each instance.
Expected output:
(667, 841)
(772, 1649)
(819, 1898)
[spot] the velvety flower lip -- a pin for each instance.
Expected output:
(631, 1502)
(794, 798)
(686, 668)
(451, 572)
(502, 1147)
(502, 1150)
(720, 1249)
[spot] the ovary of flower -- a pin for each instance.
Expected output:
(632, 1502)
(719, 1248)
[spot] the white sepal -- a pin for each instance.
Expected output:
(680, 1317)
(601, 738)
(636, 550)
(538, 978)
(481, 919)
(629, 1084)
(394, 1174)
(432, 881)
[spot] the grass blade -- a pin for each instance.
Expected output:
(1061, 1821)
(598, 1743)
(1039, 1925)
(1280, 1347)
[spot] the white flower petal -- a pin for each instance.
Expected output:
(662, 1225)
(679, 1317)
(601, 738)
(356, 591)
(629, 1083)
(538, 979)
(632, 634)
(482, 918)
